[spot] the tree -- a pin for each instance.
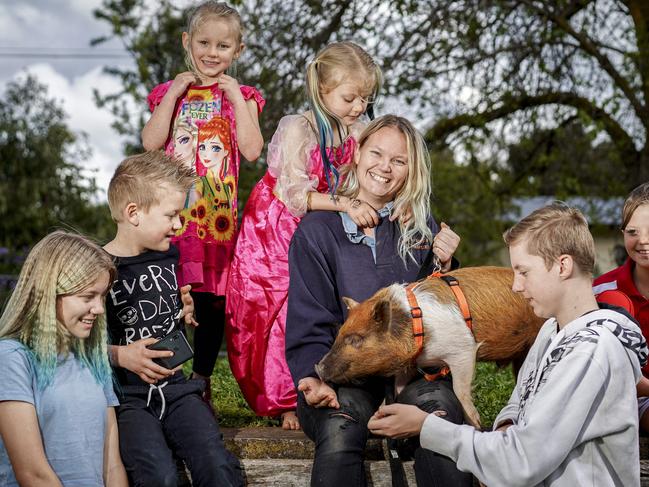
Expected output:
(42, 181)
(538, 63)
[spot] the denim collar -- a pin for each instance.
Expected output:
(356, 235)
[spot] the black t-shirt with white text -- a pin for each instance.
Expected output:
(143, 302)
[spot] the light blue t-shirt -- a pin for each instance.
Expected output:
(71, 415)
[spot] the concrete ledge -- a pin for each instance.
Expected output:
(297, 473)
(270, 442)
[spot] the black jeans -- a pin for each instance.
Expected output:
(187, 430)
(209, 312)
(340, 435)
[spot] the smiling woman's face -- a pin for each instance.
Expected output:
(382, 166)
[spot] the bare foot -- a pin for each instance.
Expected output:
(290, 421)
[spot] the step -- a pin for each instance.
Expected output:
(297, 473)
(270, 442)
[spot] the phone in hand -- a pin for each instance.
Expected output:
(178, 344)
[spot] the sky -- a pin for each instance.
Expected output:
(32, 34)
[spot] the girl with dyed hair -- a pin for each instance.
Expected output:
(57, 418)
(304, 159)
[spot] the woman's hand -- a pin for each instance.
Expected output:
(397, 421)
(139, 360)
(188, 305)
(362, 213)
(181, 82)
(317, 393)
(444, 246)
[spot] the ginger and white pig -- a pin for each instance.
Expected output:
(377, 337)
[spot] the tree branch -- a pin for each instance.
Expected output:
(587, 44)
(619, 137)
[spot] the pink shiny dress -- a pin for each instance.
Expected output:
(258, 285)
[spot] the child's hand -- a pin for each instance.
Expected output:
(139, 360)
(397, 421)
(188, 305)
(181, 82)
(317, 393)
(404, 215)
(230, 87)
(444, 246)
(362, 213)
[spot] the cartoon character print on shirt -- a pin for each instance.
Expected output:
(209, 204)
(141, 315)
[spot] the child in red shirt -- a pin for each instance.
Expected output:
(628, 285)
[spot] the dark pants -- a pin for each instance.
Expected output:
(187, 430)
(209, 312)
(340, 435)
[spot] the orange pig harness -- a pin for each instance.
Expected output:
(417, 316)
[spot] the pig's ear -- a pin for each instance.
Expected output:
(381, 312)
(349, 302)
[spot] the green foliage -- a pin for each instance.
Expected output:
(492, 387)
(43, 183)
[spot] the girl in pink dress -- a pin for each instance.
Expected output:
(206, 119)
(304, 158)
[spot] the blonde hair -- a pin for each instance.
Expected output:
(138, 179)
(638, 197)
(60, 264)
(416, 191)
(202, 13)
(333, 65)
(555, 230)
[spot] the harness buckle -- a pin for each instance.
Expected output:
(415, 312)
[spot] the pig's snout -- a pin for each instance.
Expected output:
(331, 370)
(319, 369)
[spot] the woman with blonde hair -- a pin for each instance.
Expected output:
(331, 258)
(57, 419)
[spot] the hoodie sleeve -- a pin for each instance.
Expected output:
(562, 409)
(313, 310)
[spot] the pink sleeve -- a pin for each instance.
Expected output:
(157, 93)
(249, 92)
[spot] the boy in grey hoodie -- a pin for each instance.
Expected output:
(572, 417)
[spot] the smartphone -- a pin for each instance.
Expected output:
(178, 344)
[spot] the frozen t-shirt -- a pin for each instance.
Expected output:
(71, 414)
(203, 135)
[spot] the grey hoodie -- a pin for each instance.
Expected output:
(574, 411)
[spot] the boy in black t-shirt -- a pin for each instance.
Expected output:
(161, 413)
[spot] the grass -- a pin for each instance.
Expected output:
(492, 387)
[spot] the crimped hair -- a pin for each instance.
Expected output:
(138, 179)
(60, 264)
(415, 193)
(638, 197)
(333, 65)
(199, 15)
(554, 230)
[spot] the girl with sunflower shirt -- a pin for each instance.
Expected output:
(205, 118)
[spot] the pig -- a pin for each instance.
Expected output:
(377, 337)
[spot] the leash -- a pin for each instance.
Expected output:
(390, 446)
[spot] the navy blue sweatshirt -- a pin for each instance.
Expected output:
(326, 266)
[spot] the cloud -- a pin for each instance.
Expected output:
(76, 98)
